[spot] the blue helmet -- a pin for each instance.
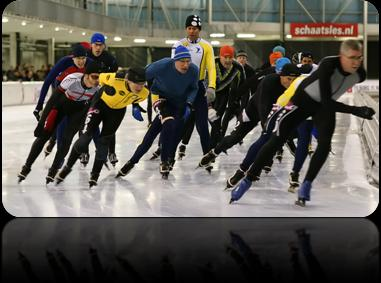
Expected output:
(280, 63)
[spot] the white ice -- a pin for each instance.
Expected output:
(341, 188)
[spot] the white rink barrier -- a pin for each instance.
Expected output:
(369, 129)
(21, 93)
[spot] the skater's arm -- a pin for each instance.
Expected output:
(61, 65)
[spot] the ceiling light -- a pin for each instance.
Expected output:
(245, 35)
(171, 41)
(139, 40)
(23, 23)
(56, 28)
(5, 20)
(215, 42)
(117, 38)
(41, 26)
(217, 35)
(289, 36)
(83, 33)
(71, 31)
(105, 36)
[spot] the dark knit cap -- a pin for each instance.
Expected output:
(93, 67)
(136, 74)
(193, 21)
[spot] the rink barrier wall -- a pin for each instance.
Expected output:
(21, 93)
(368, 94)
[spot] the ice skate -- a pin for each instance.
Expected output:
(125, 169)
(234, 180)
(279, 155)
(156, 154)
(310, 150)
(181, 153)
(62, 174)
(293, 179)
(240, 190)
(23, 173)
(51, 174)
(113, 159)
(267, 169)
(93, 179)
(164, 170)
(207, 159)
(304, 194)
(84, 159)
(171, 164)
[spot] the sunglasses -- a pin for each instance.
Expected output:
(94, 77)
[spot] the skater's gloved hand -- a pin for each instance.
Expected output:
(136, 113)
(140, 108)
(157, 105)
(187, 112)
(210, 94)
(363, 112)
(212, 114)
(37, 114)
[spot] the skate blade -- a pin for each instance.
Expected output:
(292, 189)
(300, 202)
(231, 201)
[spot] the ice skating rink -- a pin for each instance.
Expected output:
(341, 188)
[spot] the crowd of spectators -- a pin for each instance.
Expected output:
(26, 72)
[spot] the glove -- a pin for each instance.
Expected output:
(363, 112)
(212, 115)
(187, 111)
(136, 113)
(158, 104)
(37, 114)
(210, 94)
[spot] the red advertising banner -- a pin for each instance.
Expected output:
(323, 29)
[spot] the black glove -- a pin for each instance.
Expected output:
(37, 113)
(363, 112)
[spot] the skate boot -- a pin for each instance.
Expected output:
(310, 150)
(304, 193)
(112, 158)
(171, 164)
(156, 154)
(239, 191)
(49, 147)
(125, 169)
(62, 174)
(267, 169)
(293, 179)
(207, 159)
(84, 159)
(181, 153)
(23, 173)
(93, 179)
(51, 174)
(234, 180)
(279, 155)
(164, 170)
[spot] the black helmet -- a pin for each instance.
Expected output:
(136, 75)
